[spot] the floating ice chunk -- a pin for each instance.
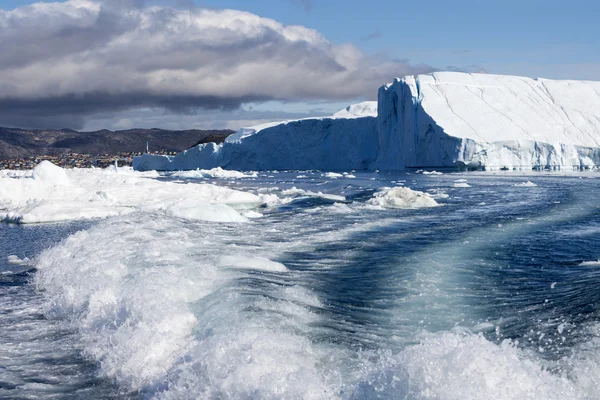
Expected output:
(432, 173)
(213, 173)
(402, 197)
(525, 184)
(253, 214)
(461, 185)
(438, 194)
(295, 192)
(258, 263)
(15, 260)
(590, 264)
(332, 175)
(204, 211)
(98, 193)
(50, 173)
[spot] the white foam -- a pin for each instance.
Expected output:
(257, 263)
(460, 365)
(159, 300)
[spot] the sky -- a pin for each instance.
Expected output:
(181, 64)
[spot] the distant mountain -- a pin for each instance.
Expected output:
(22, 143)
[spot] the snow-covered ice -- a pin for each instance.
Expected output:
(526, 184)
(402, 197)
(446, 119)
(590, 263)
(217, 172)
(343, 141)
(50, 193)
(15, 260)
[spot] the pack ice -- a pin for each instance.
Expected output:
(439, 120)
(49, 193)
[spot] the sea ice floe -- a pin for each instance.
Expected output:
(462, 184)
(526, 184)
(15, 260)
(51, 193)
(590, 263)
(332, 175)
(402, 197)
(217, 172)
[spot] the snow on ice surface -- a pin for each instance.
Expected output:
(15, 260)
(51, 193)
(445, 118)
(213, 173)
(344, 141)
(526, 184)
(402, 197)
(591, 263)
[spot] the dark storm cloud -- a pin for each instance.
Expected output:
(67, 61)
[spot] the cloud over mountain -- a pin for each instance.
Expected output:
(62, 62)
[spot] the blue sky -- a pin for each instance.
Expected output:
(554, 39)
(549, 39)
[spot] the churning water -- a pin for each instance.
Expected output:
(493, 294)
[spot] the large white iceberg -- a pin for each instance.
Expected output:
(439, 120)
(345, 140)
(447, 119)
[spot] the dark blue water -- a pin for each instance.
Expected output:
(497, 263)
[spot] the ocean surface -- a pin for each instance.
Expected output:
(494, 294)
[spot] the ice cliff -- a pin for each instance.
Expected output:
(440, 120)
(446, 119)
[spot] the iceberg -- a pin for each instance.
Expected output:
(443, 120)
(346, 140)
(450, 119)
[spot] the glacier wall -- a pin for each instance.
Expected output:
(449, 119)
(439, 120)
